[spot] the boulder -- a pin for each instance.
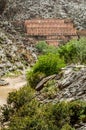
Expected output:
(3, 82)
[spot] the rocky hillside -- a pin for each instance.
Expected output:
(27, 9)
(12, 35)
(17, 50)
(69, 85)
(14, 54)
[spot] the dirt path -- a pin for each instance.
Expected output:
(14, 84)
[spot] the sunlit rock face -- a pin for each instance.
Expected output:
(27, 9)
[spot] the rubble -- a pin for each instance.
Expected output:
(28, 9)
(13, 54)
(71, 85)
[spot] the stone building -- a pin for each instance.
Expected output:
(53, 31)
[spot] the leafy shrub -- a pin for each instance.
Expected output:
(48, 116)
(74, 51)
(6, 112)
(67, 127)
(50, 89)
(41, 46)
(18, 98)
(44, 48)
(78, 109)
(49, 64)
(46, 65)
(61, 113)
(29, 114)
(34, 78)
(51, 49)
(83, 118)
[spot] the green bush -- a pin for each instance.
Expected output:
(36, 116)
(34, 78)
(26, 113)
(78, 110)
(74, 51)
(42, 46)
(51, 49)
(50, 89)
(49, 64)
(67, 127)
(18, 98)
(46, 65)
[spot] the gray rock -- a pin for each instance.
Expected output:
(3, 82)
(72, 85)
(27, 9)
(13, 54)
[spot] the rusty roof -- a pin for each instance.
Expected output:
(49, 27)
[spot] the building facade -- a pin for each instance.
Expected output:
(53, 31)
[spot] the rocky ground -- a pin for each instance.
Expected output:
(27, 9)
(14, 53)
(16, 49)
(70, 85)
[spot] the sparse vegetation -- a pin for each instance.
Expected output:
(74, 51)
(13, 73)
(46, 65)
(50, 90)
(49, 104)
(25, 112)
(34, 78)
(41, 46)
(49, 64)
